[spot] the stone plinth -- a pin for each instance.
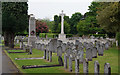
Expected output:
(31, 41)
(62, 36)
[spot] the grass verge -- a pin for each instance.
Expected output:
(110, 56)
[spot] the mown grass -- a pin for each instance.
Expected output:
(110, 56)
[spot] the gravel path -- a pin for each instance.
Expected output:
(7, 65)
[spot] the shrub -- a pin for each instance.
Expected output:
(98, 35)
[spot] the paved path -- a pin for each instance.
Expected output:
(7, 64)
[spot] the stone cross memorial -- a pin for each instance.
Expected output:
(62, 35)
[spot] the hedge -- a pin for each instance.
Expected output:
(98, 35)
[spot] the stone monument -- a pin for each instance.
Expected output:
(62, 35)
(32, 31)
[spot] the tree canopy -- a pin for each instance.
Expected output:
(109, 16)
(75, 18)
(14, 20)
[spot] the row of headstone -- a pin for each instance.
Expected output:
(73, 52)
(77, 50)
(107, 68)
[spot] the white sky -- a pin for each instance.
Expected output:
(48, 8)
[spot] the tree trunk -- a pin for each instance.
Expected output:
(9, 39)
(6, 38)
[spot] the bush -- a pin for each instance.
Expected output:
(69, 35)
(49, 35)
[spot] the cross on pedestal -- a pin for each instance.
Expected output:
(62, 22)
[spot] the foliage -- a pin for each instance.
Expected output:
(83, 27)
(109, 56)
(49, 23)
(49, 35)
(98, 35)
(56, 23)
(109, 16)
(41, 27)
(69, 35)
(89, 25)
(14, 20)
(75, 18)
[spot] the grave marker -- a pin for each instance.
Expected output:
(70, 63)
(59, 51)
(100, 50)
(89, 54)
(85, 66)
(65, 61)
(107, 69)
(96, 68)
(94, 52)
(76, 65)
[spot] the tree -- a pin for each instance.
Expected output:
(41, 27)
(49, 24)
(14, 20)
(67, 19)
(73, 22)
(56, 21)
(109, 17)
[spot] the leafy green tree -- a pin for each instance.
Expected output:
(14, 20)
(82, 27)
(109, 17)
(56, 23)
(73, 22)
(67, 19)
(49, 24)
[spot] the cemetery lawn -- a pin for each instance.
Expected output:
(110, 56)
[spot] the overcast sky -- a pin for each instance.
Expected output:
(48, 8)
